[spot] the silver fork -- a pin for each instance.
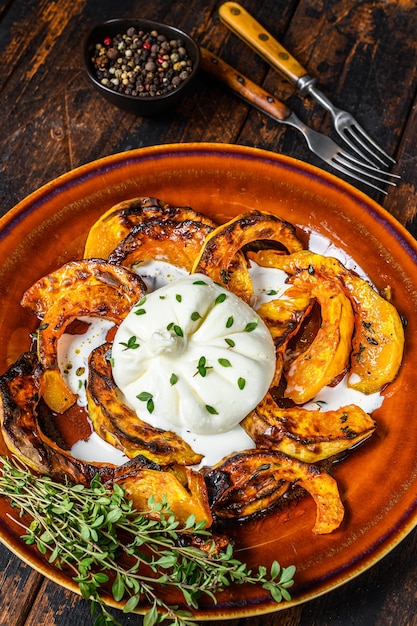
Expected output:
(255, 35)
(320, 144)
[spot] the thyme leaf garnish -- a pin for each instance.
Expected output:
(250, 326)
(87, 530)
(229, 322)
(130, 344)
(202, 366)
(147, 397)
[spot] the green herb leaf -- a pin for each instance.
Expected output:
(195, 316)
(241, 382)
(147, 397)
(220, 298)
(225, 362)
(202, 366)
(211, 409)
(174, 379)
(96, 533)
(131, 343)
(250, 326)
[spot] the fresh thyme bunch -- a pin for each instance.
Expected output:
(91, 529)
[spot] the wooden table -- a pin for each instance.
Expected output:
(365, 54)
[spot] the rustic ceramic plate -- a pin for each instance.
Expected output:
(50, 226)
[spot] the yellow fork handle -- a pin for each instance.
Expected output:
(254, 35)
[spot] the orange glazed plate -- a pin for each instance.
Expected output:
(50, 227)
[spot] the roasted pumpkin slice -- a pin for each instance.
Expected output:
(378, 340)
(116, 223)
(225, 242)
(327, 357)
(177, 243)
(120, 426)
(253, 481)
(19, 398)
(78, 289)
(184, 500)
(309, 436)
(284, 315)
(95, 272)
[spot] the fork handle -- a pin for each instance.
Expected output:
(243, 86)
(254, 35)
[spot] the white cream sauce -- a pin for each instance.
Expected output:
(269, 283)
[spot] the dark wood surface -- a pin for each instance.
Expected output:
(51, 120)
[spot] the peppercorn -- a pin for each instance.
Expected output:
(141, 64)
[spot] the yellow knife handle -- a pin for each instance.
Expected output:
(254, 35)
(243, 86)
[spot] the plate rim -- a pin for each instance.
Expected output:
(114, 161)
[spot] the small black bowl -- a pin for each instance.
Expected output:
(141, 105)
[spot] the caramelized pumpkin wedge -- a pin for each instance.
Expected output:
(116, 223)
(378, 340)
(284, 315)
(19, 398)
(177, 243)
(90, 288)
(309, 436)
(119, 425)
(253, 481)
(95, 272)
(327, 357)
(184, 500)
(219, 252)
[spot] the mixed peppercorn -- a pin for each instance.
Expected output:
(141, 64)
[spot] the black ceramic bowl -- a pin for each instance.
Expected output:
(141, 105)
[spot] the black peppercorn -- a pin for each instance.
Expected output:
(141, 64)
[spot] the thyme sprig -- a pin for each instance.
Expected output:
(108, 547)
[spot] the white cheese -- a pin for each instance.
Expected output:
(193, 356)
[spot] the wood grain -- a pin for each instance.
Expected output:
(364, 54)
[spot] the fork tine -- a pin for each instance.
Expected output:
(350, 131)
(367, 170)
(359, 171)
(352, 174)
(354, 134)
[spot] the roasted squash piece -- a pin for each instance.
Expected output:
(91, 288)
(121, 427)
(284, 315)
(327, 358)
(19, 398)
(116, 223)
(95, 272)
(253, 481)
(184, 500)
(309, 436)
(178, 243)
(225, 242)
(378, 340)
